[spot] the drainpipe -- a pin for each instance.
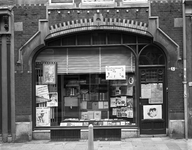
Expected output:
(185, 73)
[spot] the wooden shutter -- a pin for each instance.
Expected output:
(117, 56)
(83, 60)
(55, 55)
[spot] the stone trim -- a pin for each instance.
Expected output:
(97, 22)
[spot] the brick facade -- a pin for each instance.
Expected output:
(28, 16)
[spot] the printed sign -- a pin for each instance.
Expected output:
(152, 111)
(42, 116)
(42, 93)
(115, 72)
(53, 101)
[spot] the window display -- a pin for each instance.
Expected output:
(87, 98)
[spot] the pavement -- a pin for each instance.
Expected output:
(155, 143)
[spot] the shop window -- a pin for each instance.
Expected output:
(70, 40)
(73, 87)
(114, 38)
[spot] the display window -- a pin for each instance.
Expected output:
(82, 86)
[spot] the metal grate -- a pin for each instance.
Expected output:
(152, 75)
(65, 135)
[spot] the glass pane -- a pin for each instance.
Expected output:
(152, 56)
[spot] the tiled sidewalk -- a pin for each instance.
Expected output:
(156, 143)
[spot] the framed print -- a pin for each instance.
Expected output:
(152, 111)
(49, 73)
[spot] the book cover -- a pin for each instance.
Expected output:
(90, 115)
(83, 105)
(94, 105)
(113, 102)
(89, 105)
(105, 105)
(104, 114)
(97, 115)
(100, 105)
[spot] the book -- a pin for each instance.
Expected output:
(83, 105)
(89, 105)
(97, 115)
(100, 105)
(105, 105)
(113, 102)
(104, 114)
(94, 105)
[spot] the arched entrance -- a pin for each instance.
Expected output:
(73, 71)
(152, 102)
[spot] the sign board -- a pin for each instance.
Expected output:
(115, 72)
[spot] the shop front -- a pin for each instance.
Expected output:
(114, 80)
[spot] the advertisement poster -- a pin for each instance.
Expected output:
(53, 99)
(49, 73)
(115, 72)
(156, 93)
(42, 116)
(145, 90)
(42, 93)
(152, 111)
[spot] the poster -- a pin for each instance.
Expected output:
(42, 116)
(49, 73)
(145, 90)
(115, 72)
(42, 93)
(156, 93)
(152, 111)
(53, 99)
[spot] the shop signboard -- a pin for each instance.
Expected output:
(115, 72)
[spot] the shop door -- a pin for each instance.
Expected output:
(152, 102)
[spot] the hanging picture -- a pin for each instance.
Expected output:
(42, 116)
(42, 93)
(53, 99)
(115, 72)
(152, 111)
(49, 73)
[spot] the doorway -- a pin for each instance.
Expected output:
(152, 100)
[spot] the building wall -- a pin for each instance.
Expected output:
(26, 22)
